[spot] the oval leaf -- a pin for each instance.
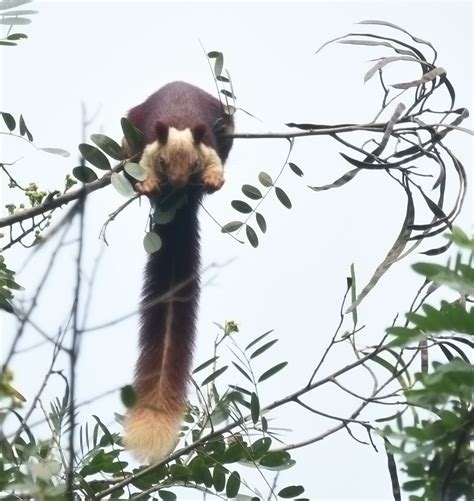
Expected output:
(251, 235)
(241, 206)
(9, 121)
(133, 136)
(291, 491)
(283, 197)
(127, 395)
(251, 191)
(205, 364)
(152, 242)
(218, 477)
(164, 216)
(262, 224)
(135, 170)
(233, 485)
(122, 185)
(108, 145)
(84, 174)
(231, 227)
(94, 156)
(265, 179)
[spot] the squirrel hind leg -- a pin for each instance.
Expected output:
(151, 435)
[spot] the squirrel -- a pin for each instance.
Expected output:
(186, 144)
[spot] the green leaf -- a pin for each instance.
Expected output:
(261, 447)
(108, 146)
(17, 36)
(296, 169)
(213, 54)
(84, 174)
(214, 375)
(242, 371)
(133, 136)
(279, 460)
(218, 477)
(263, 348)
(127, 395)
(255, 407)
(257, 339)
(233, 485)
(218, 64)
(164, 216)
(56, 151)
(271, 372)
(167, 495)
(24, 129)
(180, 473)
(233, 454)
(205, 364)
(291, 491)
(122, 185)
(15, 21)
(152, 242)
(251, 235)
(94, 156)
(265, 179)
(231, 227)
(135, 170)
(262, 224)
(283, 197)
(241, 206)
(251, 191)
(9, 121)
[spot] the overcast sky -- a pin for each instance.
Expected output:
(111, 56)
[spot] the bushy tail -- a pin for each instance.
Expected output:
(169, 304)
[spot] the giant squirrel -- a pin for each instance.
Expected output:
(186, 145)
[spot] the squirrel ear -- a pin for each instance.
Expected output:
(198, 132)
(162, 131)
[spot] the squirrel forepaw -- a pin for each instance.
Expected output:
(212, 181)
(148, 187)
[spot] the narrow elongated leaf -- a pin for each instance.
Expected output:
(214, 375)
(427, 77)
(94, 156)
(242, 371)
(17, 36)
(15, 21)
(152, 242)
(24, 129)
(84, 174)
(341, 181)
(296, 169)
(108, 145)
(56, 151)
(252, 236)
(263, 348)
(255, 407)
(271, 372)
(122, 185)
(259, 338)
(251, 191)
(241, 206)
(262, 224)
(283, 197)
(205, 364)
(219, 64)
(387, 60)
(231, 227)
(265, 179)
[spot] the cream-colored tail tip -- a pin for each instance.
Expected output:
(151, 435)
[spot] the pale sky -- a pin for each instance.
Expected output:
(112, 55)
